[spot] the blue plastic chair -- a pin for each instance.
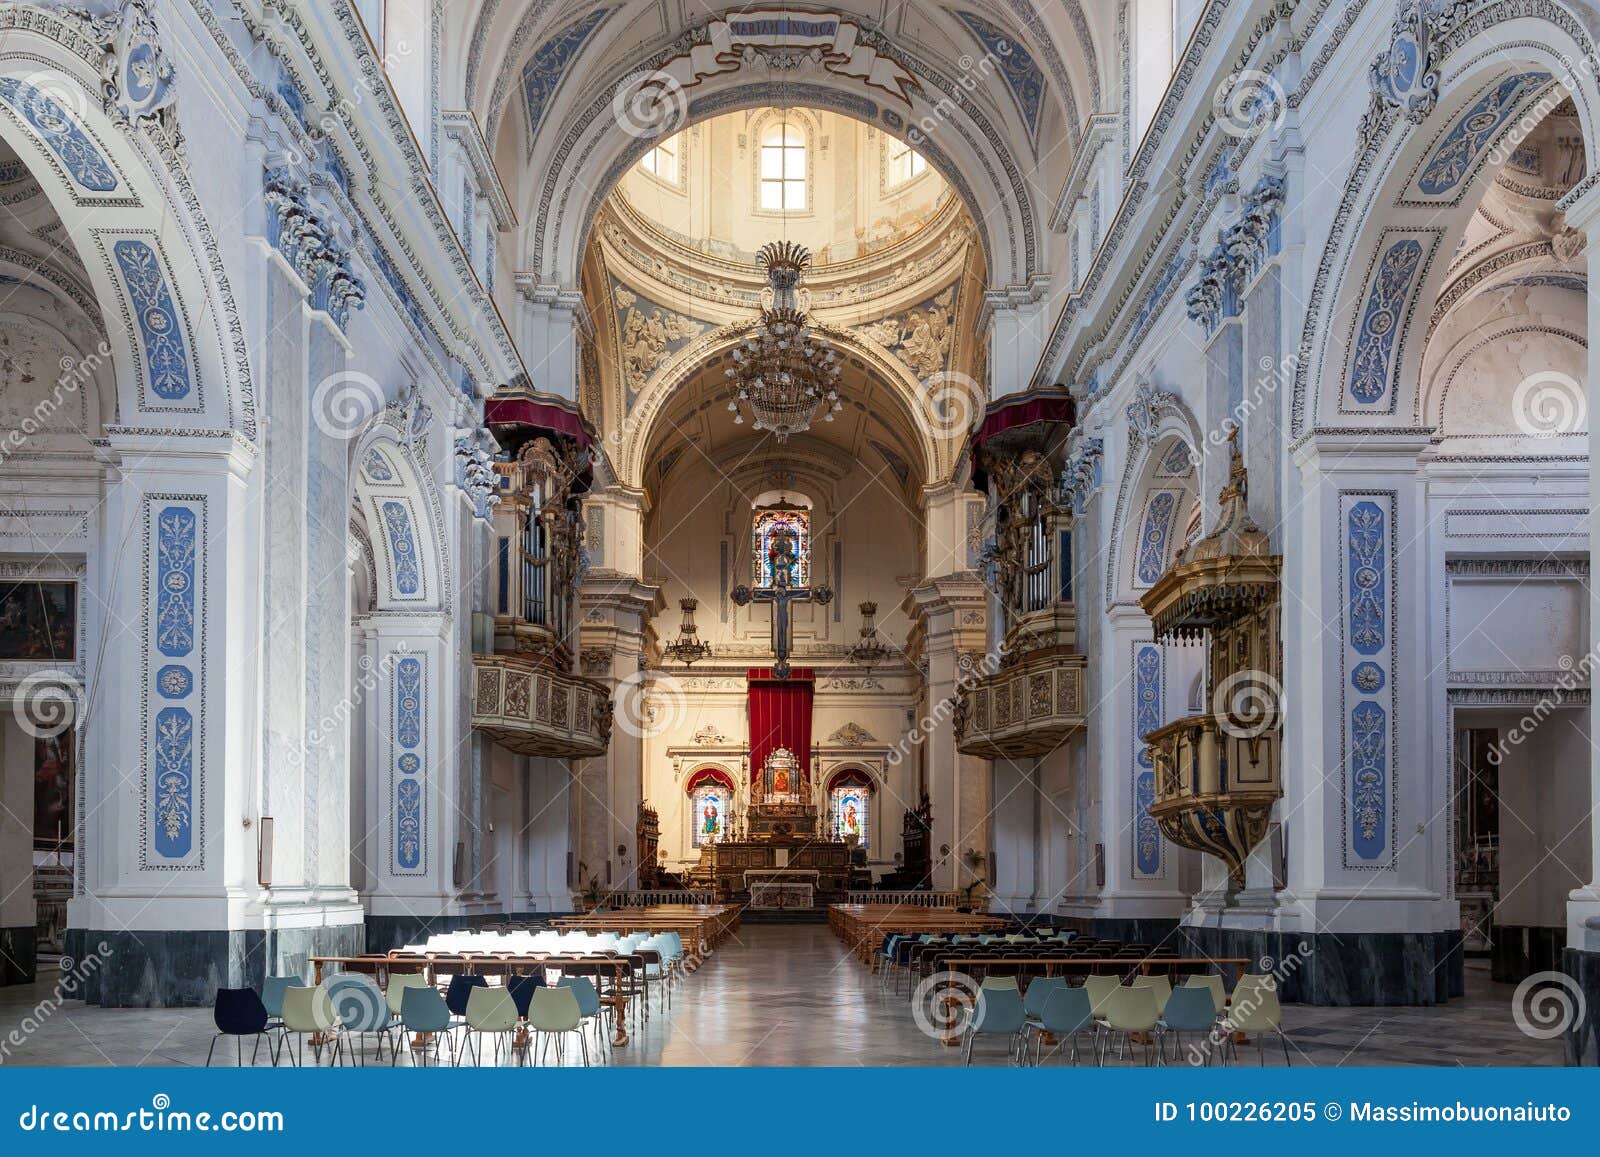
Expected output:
(1067, 1012)
(238, 1013)
(361, 1008)
(588, 1000)
(423, 1010)
(1190, 1010)
(998, 1012)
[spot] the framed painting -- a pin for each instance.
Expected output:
(39, 622)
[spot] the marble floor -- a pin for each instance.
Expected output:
(790, 995)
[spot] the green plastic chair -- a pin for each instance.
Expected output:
(309, 1012)
(553, 1013)
(1160, 984)
(1099, 989)
(1256, 1009)
(395, 994)
(1127, 1011)
(489, 1010)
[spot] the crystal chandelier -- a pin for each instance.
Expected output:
(870, 650)
(785, 369)
(688, 646)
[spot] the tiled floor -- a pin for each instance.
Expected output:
(789, 995)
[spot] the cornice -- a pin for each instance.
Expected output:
(461, 126)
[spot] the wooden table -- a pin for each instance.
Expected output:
(861, 926)
(702, 926)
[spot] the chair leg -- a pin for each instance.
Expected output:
(1284, 1041)
(582, 1041)
(212, 1049)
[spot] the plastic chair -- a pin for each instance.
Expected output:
(1213, 984)
(360, 1005)
(399, 982)
(309, 1012)
(460, 990)
(272, 990)
(589, 1006)
(1067, 1012)
(1100, 989)
(553, 1012)
(424, 1011)
(238, 1013)
(998, 1012)
(1256, 1009)
(1161, 986)
(521, 989)
(1127, 1011)
(489, 1010)
(1190, 1008)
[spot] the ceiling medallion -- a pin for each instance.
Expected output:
(785, 369)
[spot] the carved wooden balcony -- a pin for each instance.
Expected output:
(1215, 783)
(1025, 709)
(538, 710)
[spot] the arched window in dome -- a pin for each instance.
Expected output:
(710, 806)
(665, 161)
(850, 807)
(783, 168)
(772, 524)
(904, 163)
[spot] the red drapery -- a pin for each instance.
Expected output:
(780, 716)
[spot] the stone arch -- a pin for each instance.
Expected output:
(400, 520)
(1166, 462)
(1407, 202)
(968, 151)
(126, 202)
(936, 455)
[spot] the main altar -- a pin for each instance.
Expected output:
(774, 857)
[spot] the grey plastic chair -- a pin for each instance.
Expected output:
(423, 1010)
(1067, 1012)
(361, 1008)
(272, 991)
(1191, 1009)
(998, 1013)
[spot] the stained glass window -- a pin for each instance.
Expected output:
(771, 526)
(708, 813)
(850, 807)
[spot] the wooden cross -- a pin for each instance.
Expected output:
(782, 556)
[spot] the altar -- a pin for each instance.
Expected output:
(782, 888)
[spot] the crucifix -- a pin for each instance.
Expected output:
(781, 554)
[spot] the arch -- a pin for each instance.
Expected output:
(591, 157)
(401, 517)
(1407, 202)
(851, 798)
(1145, 531)
(709, 773)
(125, 200)
(935, 456)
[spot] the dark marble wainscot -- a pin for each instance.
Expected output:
(1367, 968)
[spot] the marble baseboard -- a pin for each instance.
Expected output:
(1133, 930)
(1367, 968)
(1583, 1038)
(19, 949)
(184, 969)
(1520, 951)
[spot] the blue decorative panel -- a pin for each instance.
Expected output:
(1366, 608)
(402, 548)
(1147, 674)
(1368, 779)
(1022, 76)
(541, 76)
(1457, 154)
(175, 561)
(171, 736)
(377, 467)
(408, 791)
(503, 578)
(1381, 321)
(174, 783)
(166, 357)
(1369, 700)
(1176, 464)
(1065, 555)
(62, 135)
(1158, 292)
(1154, 536)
